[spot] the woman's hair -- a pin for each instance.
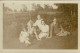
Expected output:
(42, 20)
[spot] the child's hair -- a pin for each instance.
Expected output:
(24, 27)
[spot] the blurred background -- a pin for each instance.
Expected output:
(14, 15)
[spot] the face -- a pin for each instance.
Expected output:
(43, 23)
(54, 20)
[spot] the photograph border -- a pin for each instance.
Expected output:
(37, 50)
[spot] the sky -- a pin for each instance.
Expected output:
(19, 5)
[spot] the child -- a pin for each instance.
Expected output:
(24, 37)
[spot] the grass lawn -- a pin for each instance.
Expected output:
(11, 41)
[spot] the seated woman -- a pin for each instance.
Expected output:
(24, 37)
(57, 29)
(30, 27)
(44, 30)
(37, 26)
(38, 22)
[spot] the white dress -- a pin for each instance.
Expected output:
(38, 23)
(44, 31)
(24, 37)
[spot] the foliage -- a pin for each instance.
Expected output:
(67, 15)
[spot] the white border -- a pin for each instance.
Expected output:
(37, 50)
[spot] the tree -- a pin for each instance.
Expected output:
(15, 10)
(24, 8)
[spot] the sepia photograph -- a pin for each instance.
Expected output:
(40, 25)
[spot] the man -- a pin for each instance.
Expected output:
(44, 30)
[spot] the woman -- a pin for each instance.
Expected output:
(44, 30)
(57, 29)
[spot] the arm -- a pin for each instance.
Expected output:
(61, 28)
(51, 28)
(47, 31)
(48, 34)
(35, 24)
(36, 33)
(20, 35)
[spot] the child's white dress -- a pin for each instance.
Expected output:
(24, 37)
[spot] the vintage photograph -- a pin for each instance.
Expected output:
(40, 25)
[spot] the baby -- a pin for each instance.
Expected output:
(24, 37)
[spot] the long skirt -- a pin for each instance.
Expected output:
(43, 34)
